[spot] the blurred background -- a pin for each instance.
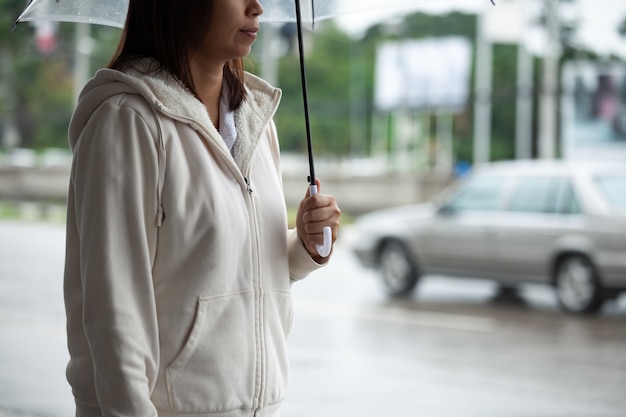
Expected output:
(403, 104)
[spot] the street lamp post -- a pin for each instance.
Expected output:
(548, 126)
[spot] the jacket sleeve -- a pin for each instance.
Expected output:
(300, 262)
(114, 181)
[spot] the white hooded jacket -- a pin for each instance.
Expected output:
(178, 258)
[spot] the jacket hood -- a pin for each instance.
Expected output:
(169, 96)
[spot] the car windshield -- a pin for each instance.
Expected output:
(613, 187)
(479, 194)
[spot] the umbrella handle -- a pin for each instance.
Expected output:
(323, 250)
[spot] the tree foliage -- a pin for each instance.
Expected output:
(328, 74)
(37, 86)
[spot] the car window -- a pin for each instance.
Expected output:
(613, 188)
(479, 194)
(544, 195)
(532, 195)
(567, 202)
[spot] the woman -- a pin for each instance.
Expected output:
(179, 261)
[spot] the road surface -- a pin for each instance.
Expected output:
(451, 350)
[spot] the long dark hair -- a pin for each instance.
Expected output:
(167, 31)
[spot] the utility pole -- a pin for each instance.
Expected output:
(523, 118)
(10, 135)
(548, 123)
(482, 94)
(82, 57)
(269, 57)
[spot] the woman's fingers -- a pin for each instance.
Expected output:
(315, 212)
(319, 211)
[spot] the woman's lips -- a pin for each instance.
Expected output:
(252, 32)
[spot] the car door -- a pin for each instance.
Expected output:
(540, 211)
(458, 240)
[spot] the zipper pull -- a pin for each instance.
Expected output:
(248, 186)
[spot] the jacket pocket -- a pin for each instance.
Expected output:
(215, 370)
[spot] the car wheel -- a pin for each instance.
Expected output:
(399, 272)
(577, 286)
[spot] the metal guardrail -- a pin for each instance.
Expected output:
(34, 184)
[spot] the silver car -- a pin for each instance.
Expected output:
(552, 222)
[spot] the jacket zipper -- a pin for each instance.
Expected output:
(248, 186)
(259, 391)
(258, 295)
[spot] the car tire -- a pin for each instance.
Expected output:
(398, 269)
(578, 288)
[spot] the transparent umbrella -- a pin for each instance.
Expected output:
(113, 13)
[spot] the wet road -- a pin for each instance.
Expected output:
(453, 349)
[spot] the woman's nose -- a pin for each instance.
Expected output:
(257, 8)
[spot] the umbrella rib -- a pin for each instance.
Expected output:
(305, 93)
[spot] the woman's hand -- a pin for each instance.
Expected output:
(314, 213)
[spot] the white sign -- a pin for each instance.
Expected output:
(433, 74)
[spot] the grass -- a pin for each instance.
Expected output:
(9, 211)
(29, 211)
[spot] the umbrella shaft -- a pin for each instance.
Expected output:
(305, 93)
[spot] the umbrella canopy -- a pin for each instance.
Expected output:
(113, 12)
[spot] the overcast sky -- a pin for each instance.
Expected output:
(598, 19)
